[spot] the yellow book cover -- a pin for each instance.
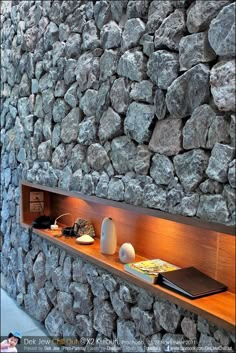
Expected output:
(148, 270)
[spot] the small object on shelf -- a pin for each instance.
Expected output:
(83, 226)
(126, 253)
(85, 240)
(42, 222)
(149, 270)
(191, 283)
(108, 237)
(68, 232)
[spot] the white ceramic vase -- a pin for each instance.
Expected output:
(127, 253)
(108, 237)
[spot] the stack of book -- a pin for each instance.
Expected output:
(188, 281)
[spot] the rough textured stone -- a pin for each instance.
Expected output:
(133, 30)
(82, 297)
(232, 174)
(170, 31)
(53, 323)
(210, 186)
(102, 13)
(123, 152)
(157, 12)
(138, 122)
(189, 205)
(160, 104)
(232, 129)
(162, 169)
(189, 328)
(120, 95)
(202, 12)
(87, 131)
(59, 157)
(110, 35)
(154, 196)
(88, 103)
(213, 208)
(108, 64)
(85, 326)
(87, 70)
(90, 36)
(107, 324)
(163, 68)
(222, 32)
(45, 151)
(115, 190)
(110, 125)
(165, 131)
(190, 168)
(96, 156)
(194, 49)
(126, 335)
(69, 125)
(222, 81)
(70, 96)
(142, 161)
(142, 91)
(167, 315)
(221, 156)
(133, 193)
(188, 91)
(73, 46)
(121, 308)
(132, 65)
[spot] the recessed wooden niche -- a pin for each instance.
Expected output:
(154, 234)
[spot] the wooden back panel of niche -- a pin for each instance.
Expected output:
(184, 245)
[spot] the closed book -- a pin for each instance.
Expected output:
(148, 270)
(191, 283)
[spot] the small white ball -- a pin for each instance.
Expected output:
(127, 253)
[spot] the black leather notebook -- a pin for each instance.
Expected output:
(190, 282)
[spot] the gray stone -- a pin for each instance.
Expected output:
(108, 64)
(115, 190)
(119, 95)
(43, 305)
(222, 81)
(54, 322)
(59, 110)
(213, 208)
(68, 68)
(133, 30)
(64, 32)
(76, 180)
(78, 272)
(163, 68)
(97, 287)
(201, 13)
(23, 108)
(162, 169)
(160, 104)
(87, 70)
(195, 131)
(45, 151)
(189, 205)
(102, 13)
(222, 337)
(44, 82)
(154, 196)
(97, 157)
(71, 95)
(50, 36)
(60, 89)
(24, 87)
(210, 342)
(167, 315)
(218, 131)
(170, 31)
(90, 36)
(58, 51)
(87, 131)
(132, 65)
(76, 20)
(189, 328)
(133, 193)
(85, 326)
(144, 300)
(20, 281)
(59, 157)
(38, 69)
(117, 10)
(144, 321)
(222, 32)
(230, 196)
(188, 91)
(39, 271)
(194, 49)
(142, 91)
(173, 342)
(82, 297)
(73, 46)
(232, 129)
(87, 185)
(158, 11)
(142, 161)
(121, 308)
(109, 282)
(30, 39)
(65, 302)
(56, 135)
(211, 187)
(108, 323)
(167, 137)
(51, 292)
(102, 186)
(110, 35)
(232, 173)
(221, 156)
(70, 125)
(78, 155)
(48, 101)
(138, 122)
(88, 103)
(190, 168)
(65, 178)
(127, 337)
(103, 100)
(123, 152)
(110, 125)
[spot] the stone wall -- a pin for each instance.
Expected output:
(127, 100)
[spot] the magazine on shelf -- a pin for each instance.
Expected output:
(148, 270)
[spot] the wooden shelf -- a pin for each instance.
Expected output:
(218, 308)
(154, 234)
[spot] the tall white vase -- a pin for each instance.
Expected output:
(108, 237)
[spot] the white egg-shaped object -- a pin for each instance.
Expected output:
(127, 253)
